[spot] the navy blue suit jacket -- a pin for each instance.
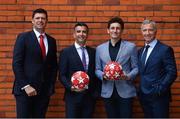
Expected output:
(69, 63)
(29, 66)
(160, 70)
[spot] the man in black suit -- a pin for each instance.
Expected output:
(35, 68)
(79, 103)
(157, 72)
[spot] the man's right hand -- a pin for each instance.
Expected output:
(105, 77)
(30, 91)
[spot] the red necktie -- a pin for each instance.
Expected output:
(43, 48)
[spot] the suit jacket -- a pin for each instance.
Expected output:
(160, 70)
(29, 66)
(69, 63)
(127, 57)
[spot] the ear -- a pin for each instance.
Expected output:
(32, 21)
(73, 35)
(108, 31)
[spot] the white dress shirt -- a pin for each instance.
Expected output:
(45, 39)
(78, 48)
(152, 45)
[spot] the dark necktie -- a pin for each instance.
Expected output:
(43, 48)
(84, 58)
(144, 55)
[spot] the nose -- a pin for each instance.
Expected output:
(114, 30)
(81, 33)
(147, 31)
(40, 19)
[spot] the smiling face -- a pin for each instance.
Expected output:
(148, 32)
(115, 31)
(80, 35)
(39, 22)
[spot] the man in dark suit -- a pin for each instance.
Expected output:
(157, 72)
(35, 68)
(79, 102)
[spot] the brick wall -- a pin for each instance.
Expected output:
(15, 17)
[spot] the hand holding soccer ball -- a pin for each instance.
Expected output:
(80, 81)
(113, 71)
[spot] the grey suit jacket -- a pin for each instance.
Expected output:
(127, 57)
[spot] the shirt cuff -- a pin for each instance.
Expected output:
(25, 87)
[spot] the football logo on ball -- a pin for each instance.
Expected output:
(113, 70)
(80, 80)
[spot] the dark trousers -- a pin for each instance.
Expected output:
(31, 107)
(82, 108)
(117, 107)
(155, 106)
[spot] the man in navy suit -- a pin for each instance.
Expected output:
(79, 102)
(35, 68)
(157, 72)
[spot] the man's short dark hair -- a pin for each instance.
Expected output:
(40, 10)
(116, 20)
(81, 24)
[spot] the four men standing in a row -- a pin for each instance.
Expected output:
(35, 68)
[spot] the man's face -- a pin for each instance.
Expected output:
(39, 21)
(80, 35)
(148, 32)
(115, 31)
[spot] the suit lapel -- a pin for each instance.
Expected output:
(151, 56)
(89, 55)
(36, 43)
(106, 50)
(49, 45)
(121, 52)
(139, 58)
(77, 57)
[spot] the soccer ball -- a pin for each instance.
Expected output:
(80, 80)
(113, 70)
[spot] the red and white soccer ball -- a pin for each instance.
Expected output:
(80, 80)
(113, 70)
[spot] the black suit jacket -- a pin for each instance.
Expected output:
(29, 66)
(69, 63)
(160, 70)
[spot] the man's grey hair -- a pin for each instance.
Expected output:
(149, 22)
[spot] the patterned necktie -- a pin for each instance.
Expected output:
(144, 55)
(84, 58)
(43, 48)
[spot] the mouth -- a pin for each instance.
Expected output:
(115, 35)
(40, 24)
(148, 36)
(81, 37)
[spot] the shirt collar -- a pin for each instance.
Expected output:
(37, 33)
(77, 46)
(117, 44)
(152, 44)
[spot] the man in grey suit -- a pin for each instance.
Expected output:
(117, 95)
